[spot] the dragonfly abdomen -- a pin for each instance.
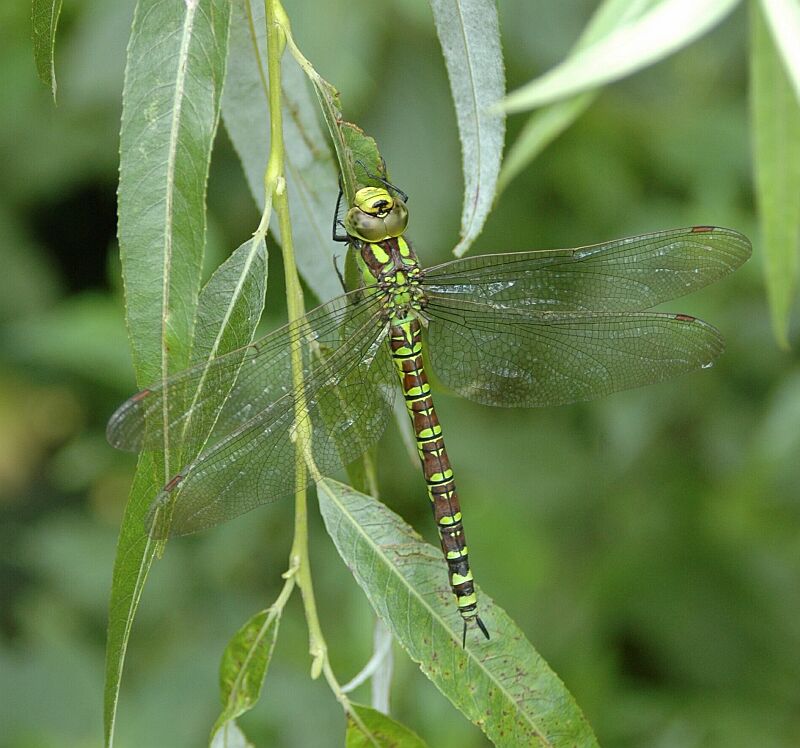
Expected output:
(405, 340)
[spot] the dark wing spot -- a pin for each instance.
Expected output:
(173, 483)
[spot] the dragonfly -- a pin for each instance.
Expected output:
(522, 329)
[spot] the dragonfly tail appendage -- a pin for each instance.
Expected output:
(480, 624)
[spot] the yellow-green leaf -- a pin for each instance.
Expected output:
(378, 730)
(502, 685)
(469, 33)
(244, 666)
(776, 141)
(656, 34)
(170, 110)
(44, 22)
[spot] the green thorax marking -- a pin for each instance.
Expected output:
(392, 266)
(375, 224)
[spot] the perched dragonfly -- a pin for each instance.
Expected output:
(523, 329)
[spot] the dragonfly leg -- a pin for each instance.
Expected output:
(385, 182)
(337, 237)
(339, 274)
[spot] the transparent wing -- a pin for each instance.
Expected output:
(348, 402)
(624, 275)
(348, 391)
(535, 358)
(255, 376)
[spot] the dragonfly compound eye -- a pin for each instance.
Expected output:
(397, 220)
(364, 226)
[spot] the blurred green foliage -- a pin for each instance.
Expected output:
(647, 544)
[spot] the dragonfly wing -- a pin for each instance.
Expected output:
(539, 358)
(623, 275)
(188, 406)
(348, 399)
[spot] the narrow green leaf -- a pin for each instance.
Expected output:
(328, 99)
(360, 147)
(135, 553)
(228, 312)
(783, 17)
(355, 150)
(656, 34)
(229, 308)
(350, 142)
(44, 21)
(470, 37)
(310, 169)
(231, 303)
(244, 666)
(776, 145)
(173, 80)
(544, 126)
(502, 685)
(382, 731)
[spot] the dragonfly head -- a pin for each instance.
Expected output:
(376, 215)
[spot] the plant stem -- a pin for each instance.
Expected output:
(299, 560)
(275, 185)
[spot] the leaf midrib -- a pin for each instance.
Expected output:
(177, 109)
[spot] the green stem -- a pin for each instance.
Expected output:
(275, 186)
(299, 558)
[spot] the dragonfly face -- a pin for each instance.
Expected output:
(376, 215)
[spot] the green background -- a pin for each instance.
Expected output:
(647, 544)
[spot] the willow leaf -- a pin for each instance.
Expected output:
(783, 18)
(469, 33)
(173, 81)
(381, 731)
(502, 685)
(776, 140)
(350, 142)
(244, 666)
(228, 312)
(135, 552)
(44, 22)
(656, 34)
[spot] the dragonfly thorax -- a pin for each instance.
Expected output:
(392, 266)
